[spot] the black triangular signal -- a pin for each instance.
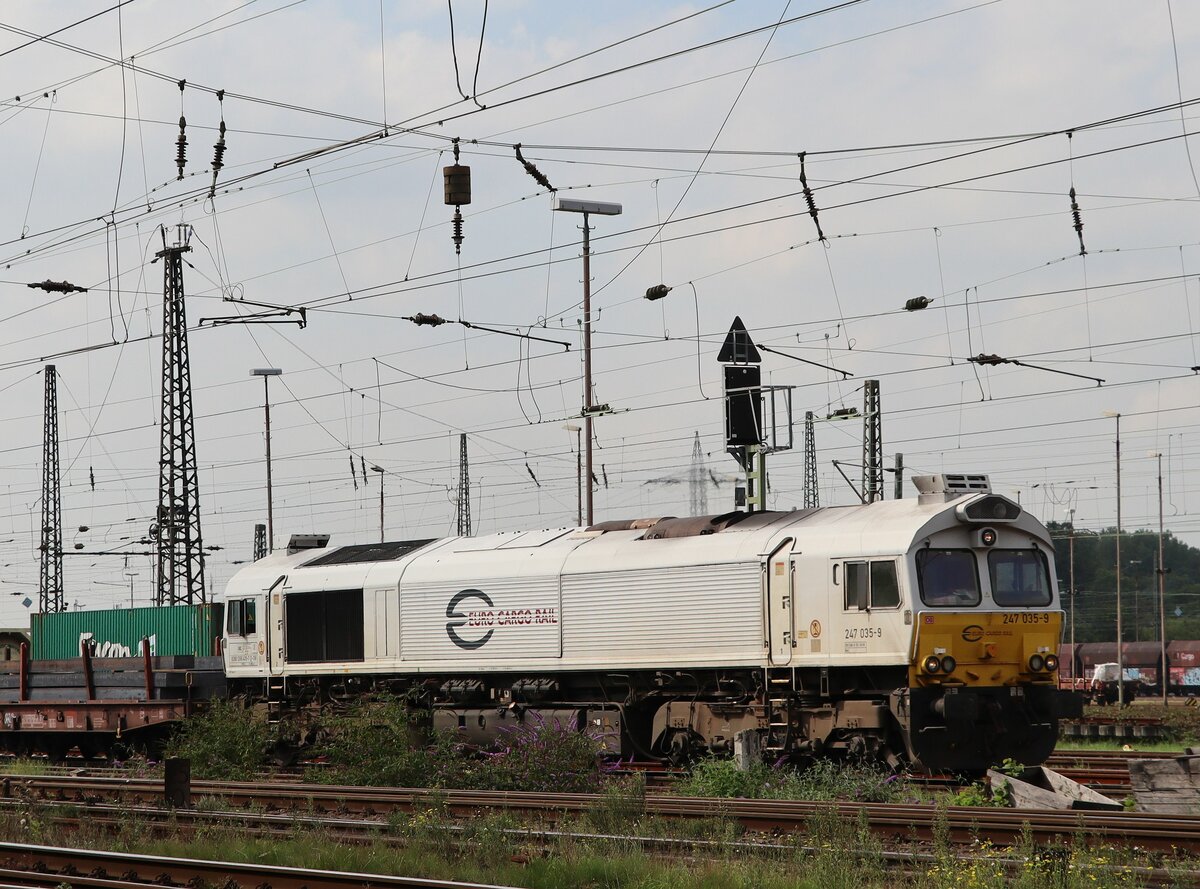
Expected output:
(738, 348)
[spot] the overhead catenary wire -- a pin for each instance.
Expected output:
(699, 342)
(909, 191)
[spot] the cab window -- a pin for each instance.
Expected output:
(948, 577)
(1020, 577)
(871, 585)
(242, 619)
(855, 574)
(885, 591)
(236, 612)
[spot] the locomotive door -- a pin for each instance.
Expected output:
(781, 634)
(275, 627)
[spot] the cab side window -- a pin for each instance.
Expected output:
(242, 619)
(234, 625)
(871, 585)
(857, 580)
(885, 591)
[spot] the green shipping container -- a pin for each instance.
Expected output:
(118, 632)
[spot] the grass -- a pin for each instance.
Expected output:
(836, 853)
(24, 766)
(824, 780)
(226, 742)
(1116, 744)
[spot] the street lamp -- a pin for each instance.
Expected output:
(266, 373)
(1165, 673)
(1071, 584)
(379, 469)
(601, 208)
(1120, 637)
(571, 427)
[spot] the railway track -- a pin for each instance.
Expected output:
(49, 870)
(893, 822)
(23, 865)
(42, 866)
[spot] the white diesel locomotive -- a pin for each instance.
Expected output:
(925, 629)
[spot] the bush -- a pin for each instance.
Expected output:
(544, 756)
(823, 780)
(225, 742)
(378, 743)
(722, 778)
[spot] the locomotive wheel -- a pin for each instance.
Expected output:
(681, 746)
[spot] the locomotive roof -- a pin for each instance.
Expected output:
(884, 528)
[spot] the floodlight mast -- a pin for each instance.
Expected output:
(602, 208)
(1120, 634)
(266, 373)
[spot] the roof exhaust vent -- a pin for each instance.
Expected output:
(947, 486)
(301, 542)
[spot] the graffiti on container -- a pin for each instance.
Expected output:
(105, 648)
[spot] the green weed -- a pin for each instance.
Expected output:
(225, 743)
(823, 780)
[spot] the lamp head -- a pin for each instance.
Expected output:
(575, 205)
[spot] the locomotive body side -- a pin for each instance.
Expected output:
(807, 631)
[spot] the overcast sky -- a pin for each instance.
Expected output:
(935, 149)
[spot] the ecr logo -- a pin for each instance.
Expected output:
(458, 619)
(973, 633)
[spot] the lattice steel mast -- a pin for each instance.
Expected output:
(180, 576)
(464, 489)
(698, 480)
(260, 542)
(812, 497)
(872, 455)
(50, 587)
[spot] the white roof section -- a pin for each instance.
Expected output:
(892, 527)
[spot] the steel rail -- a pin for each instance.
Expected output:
(904, 821)
(359, 831)
(28, 865)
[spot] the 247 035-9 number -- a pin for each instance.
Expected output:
(864, 632)
(1028, 617)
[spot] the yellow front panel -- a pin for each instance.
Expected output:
(991, 647)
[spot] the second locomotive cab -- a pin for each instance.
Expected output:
(924, 630)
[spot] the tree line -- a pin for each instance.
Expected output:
(1095, 578)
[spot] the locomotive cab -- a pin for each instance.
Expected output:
(982, 678)
(244, 641)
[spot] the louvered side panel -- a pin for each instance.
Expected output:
(706, 614)
(495, 620)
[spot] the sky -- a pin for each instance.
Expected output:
(939, 142)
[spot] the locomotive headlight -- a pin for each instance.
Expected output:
(1051, 663)
(948, 664)
(1036, 663)
(988, 536)
(932, 664)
